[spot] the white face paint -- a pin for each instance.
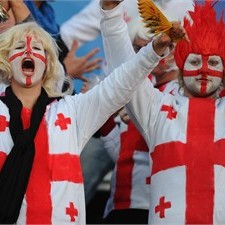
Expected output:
(28, 61)
(202, 75)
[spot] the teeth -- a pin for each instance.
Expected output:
(27, 60)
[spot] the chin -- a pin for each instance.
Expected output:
(207, 95)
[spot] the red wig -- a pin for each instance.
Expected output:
(206, 34)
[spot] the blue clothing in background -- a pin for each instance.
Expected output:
(44, 16)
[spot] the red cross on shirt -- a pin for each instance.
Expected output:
(171, 113)
(3, 123)
(199, 154)
(62, 122)
(162, 206)
(72, 212)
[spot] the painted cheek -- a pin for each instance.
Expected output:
(41, 57)
(16, 55)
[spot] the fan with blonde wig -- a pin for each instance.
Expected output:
(54, 73)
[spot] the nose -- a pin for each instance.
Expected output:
(27, 52)
(204, 68)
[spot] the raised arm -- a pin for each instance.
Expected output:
(116, 41)
(119, 49)
(18, 8)
(20, 11)
(117, 45)
(17, 12)
(114, 91)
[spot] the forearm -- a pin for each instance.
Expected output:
(116, 41)
(115, 91)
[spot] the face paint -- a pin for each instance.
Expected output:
(28, 61)
(202, 75)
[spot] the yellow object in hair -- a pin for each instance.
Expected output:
(154, 19)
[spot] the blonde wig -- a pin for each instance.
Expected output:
(53, 75)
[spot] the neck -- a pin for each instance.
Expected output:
(188, 94)
(28, 96)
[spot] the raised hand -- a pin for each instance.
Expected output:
(109, 4)
(19, 10)
(5, 4)
(177, 32)
(163, 40)
(77, 66)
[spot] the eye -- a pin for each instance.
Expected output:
(19, 47)
(37, 48)
(213, 62)
(195, 62)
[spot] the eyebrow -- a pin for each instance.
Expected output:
(21, 42)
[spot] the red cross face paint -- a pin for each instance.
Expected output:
(28, 61)
(202, 75)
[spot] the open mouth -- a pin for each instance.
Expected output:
(28, 65)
